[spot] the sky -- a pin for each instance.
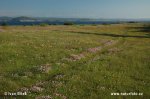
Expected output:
(76, 8)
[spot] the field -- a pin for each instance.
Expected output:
(76, 61)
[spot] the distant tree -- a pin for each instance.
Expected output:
(132, 22)
(106, 23)
(68, 23)
(4, 24)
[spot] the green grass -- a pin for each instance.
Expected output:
(119, 67)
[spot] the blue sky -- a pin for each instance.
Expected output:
(76, 8)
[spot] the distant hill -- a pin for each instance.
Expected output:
(23, 20)
(4, 18)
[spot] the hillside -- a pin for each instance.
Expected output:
(75, 62)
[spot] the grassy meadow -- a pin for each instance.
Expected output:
(75, 61)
